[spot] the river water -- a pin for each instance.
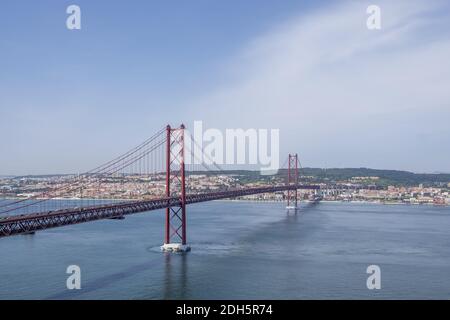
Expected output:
(240, 250)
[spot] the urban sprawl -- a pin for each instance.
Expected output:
(133, 186)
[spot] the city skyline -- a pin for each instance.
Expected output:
(342, 95)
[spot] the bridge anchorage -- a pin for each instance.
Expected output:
(151, 176)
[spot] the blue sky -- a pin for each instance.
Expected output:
(342, 96)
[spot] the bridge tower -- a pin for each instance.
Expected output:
(292, 195)
(175, 190)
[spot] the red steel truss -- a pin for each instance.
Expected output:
(174, 201)
(15, 225)
(175, 185)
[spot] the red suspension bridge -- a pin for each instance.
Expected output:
(154, 175)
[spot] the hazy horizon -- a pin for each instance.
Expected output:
(243, 169)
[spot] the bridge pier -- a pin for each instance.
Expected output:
(175, 247)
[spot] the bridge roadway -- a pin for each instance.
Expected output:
(29, 223)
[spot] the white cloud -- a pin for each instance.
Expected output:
(338, 87)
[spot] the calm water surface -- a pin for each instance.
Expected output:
(240, 250)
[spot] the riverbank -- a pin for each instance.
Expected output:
(340, 201)
(252, 200)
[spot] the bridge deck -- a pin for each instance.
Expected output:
(29, 223)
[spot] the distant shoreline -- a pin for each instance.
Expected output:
(253, 200)
(339, 201)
